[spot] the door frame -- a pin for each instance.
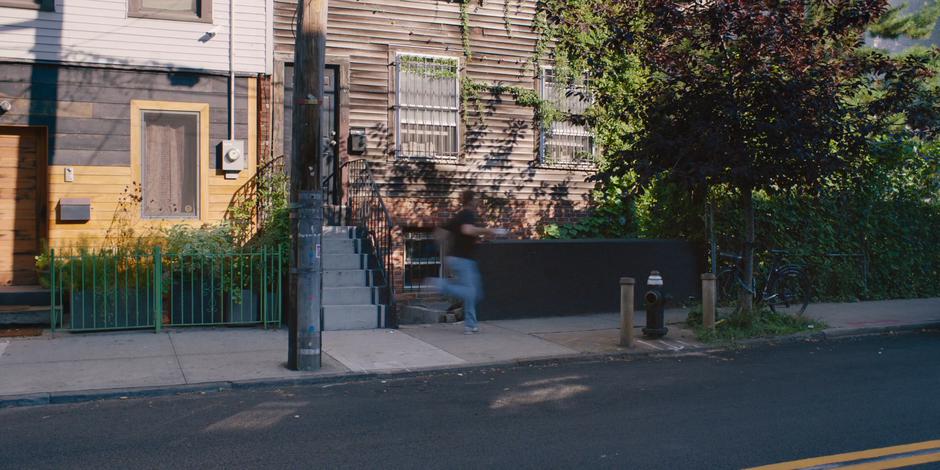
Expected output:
(42, 180)
(281, 61)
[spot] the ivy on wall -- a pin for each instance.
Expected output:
(472, 91)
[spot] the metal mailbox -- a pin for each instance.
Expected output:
(74, 209)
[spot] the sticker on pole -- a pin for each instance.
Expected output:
(318, 251)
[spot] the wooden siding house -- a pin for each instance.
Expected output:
(402, 73)
(120, 106)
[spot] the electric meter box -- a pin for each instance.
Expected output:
(234, 158)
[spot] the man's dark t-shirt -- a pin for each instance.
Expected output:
(463, 245)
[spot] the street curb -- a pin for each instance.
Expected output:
(875, 330)
(58, 398)
(53, 398)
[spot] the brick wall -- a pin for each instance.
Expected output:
(264, 118)
(524, 218)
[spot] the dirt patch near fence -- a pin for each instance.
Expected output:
(20, 331)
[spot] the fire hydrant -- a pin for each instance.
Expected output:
(655, 300)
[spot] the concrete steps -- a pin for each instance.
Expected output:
(24, 315)
(24, 295)
(24, 305)
(353, 317)
(351, 298)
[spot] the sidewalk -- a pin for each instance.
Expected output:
(70, 367)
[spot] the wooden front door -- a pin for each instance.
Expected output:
(22, 161)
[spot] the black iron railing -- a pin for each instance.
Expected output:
(365, 209)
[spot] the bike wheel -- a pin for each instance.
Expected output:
(728, 286)
(789, 291)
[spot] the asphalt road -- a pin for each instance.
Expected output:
(727, 410)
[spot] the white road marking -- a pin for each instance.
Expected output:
(683, 343)
(650, 345)
(674, 347)
(3, 346)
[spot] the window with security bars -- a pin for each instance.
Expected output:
(170, 164)
(428, 107)
(564, 142)
(422, 257)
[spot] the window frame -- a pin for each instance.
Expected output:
(585, 165)
(135, 9)
(43, 5)
(399, 153)
(406, 237)
(138, 108)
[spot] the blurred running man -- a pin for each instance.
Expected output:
(459, 237)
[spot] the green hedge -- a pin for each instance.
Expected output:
(888, 210)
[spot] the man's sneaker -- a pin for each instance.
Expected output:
(475, 329)
(468, 331)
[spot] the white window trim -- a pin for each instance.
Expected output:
(398, 119)
(542, 132)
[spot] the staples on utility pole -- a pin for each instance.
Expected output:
(305, 313)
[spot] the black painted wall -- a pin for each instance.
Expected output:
(536, 278)
(87, 109)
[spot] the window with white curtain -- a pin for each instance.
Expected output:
(170, 164)
(179, 10)
(428, 107)
(563, 142)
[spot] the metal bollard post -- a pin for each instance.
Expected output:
(708, 300)
(626, 311)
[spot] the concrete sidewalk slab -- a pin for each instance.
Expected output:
(492, 344)
(253, 365)
(607, 341)
(227, 340)
(85, 346)
(64, 376)
(882, 313)
(383, 350)
(599, 321)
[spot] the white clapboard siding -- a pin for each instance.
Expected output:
(99, 32)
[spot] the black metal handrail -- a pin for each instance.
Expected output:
(367, 211)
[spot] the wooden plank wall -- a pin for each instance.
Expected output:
(100, 32)
(501, 157)
(87, 109)
(98, 148)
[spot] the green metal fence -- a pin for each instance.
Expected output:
(116, 290)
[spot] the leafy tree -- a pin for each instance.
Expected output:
(765, 95)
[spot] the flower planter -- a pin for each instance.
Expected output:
(120, 308)
(243, 307)
(193, 301)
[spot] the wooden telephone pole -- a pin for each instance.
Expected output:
(305, 318)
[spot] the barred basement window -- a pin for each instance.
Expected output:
(563, 142)
(422, 257)
(170, 164)
(428, 104)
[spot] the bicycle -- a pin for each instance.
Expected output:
(786, 287)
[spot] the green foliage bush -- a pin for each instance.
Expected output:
(888, 210)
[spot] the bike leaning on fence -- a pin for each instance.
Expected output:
(786, 287)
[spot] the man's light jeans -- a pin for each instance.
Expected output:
(467, 286)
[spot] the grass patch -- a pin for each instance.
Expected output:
(762, 323)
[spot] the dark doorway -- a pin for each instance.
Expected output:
(329, 124)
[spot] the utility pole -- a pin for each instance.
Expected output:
(305, 318)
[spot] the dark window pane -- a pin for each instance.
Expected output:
(46, 5)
